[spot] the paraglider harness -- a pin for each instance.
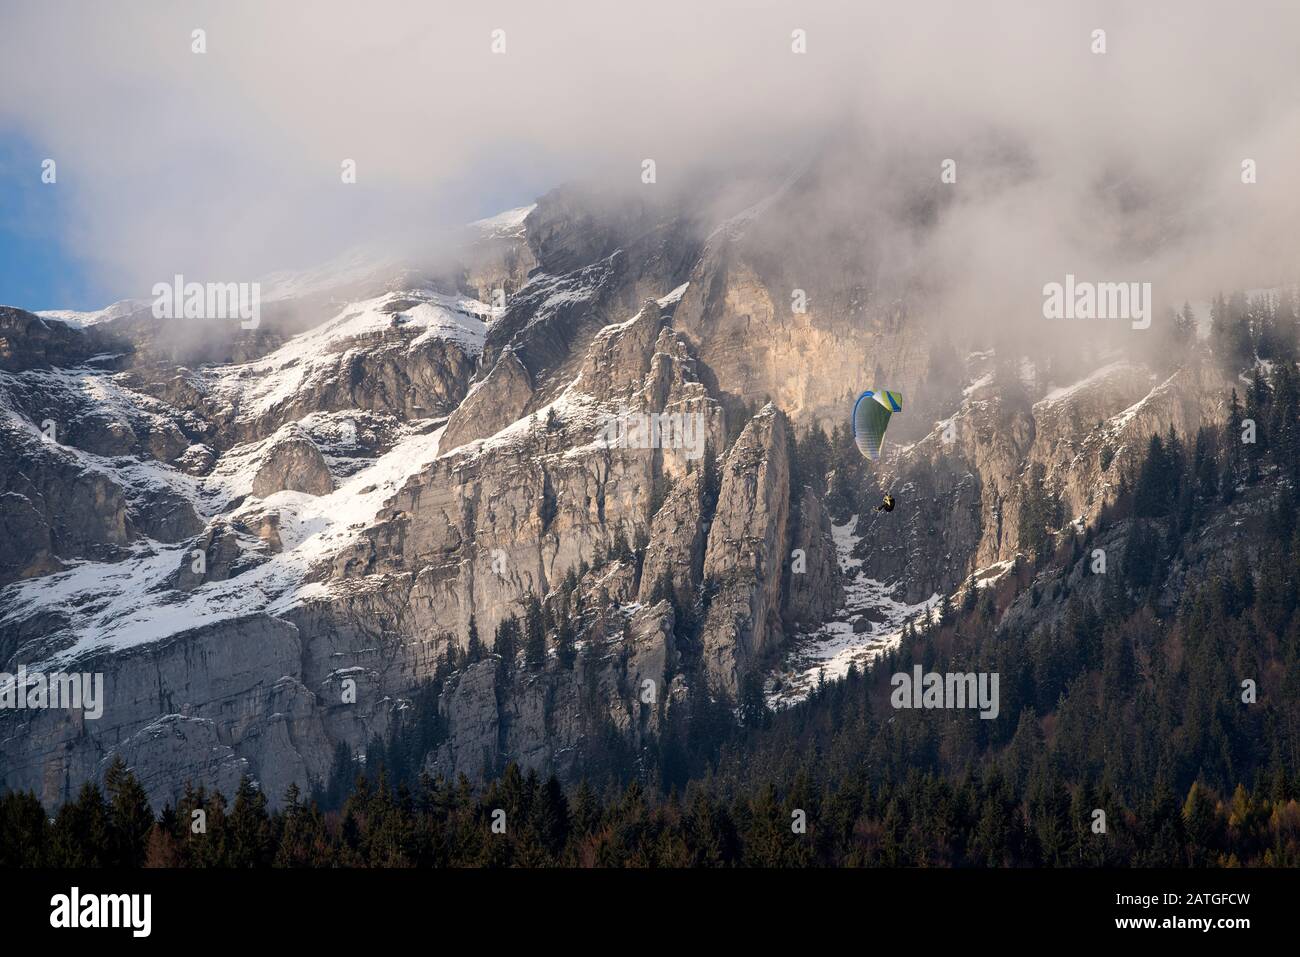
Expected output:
(887, 505)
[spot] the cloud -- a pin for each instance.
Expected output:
(227, 163)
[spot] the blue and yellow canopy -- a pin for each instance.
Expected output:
(871, 417)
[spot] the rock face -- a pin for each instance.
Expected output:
(501, 258)
(497, 401)
(177, 748)
(543, 719)
(582, 451)
(675, 554)
(774, 319)
(960, 489)
(63, 431)
(50, 511)
(747, 552)
(223, 551)
(205, 705)
(812, 590)
(28, 341)
(293, 463)
(398, 375)
(489, 523)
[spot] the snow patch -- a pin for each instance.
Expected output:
(95, 317)
(674, 297)
(116, 605)
(506, 225)
(1058, 395)
(832, 649)
(260, 386)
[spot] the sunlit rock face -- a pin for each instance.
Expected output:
(268, 540)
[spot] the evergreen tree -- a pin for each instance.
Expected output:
(565, 644)
(474, 647)
(534, 633)
(83, 835)
(130, 816)
(507, 641)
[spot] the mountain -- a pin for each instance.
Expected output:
(397, 498)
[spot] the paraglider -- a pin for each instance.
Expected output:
(870, 419)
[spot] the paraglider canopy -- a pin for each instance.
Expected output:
(871, 417)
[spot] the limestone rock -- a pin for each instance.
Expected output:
(220, 553)
(28, 341)
(677, 539)
(494, 403)
(237, 698)
(294, 463)
(745, 554)
(812, 589)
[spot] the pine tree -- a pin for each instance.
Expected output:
(130, 816)
(474, 646)
(753, 705)
(1153, 492)
(250, 828)
(711, 481)
(24, 831)
(565, 646)
(343, 771)
(1039, 514)
(83, 835)
(534, 633)
(507, 641)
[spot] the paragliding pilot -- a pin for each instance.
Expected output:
(887, 505)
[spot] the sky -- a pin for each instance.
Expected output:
(37, 266)
(225, 165)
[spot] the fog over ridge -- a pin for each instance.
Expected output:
(1121, 166)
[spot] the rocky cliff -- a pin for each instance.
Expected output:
(961, 488)
(544, 490)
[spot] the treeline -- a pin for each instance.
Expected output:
(1244, 327)
(926, 819)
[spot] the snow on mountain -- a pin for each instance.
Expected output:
(123, 307)
(348, 270)
(132, 601)
(101, 398)
(505, 225)
(1066, 392)
(870, 623)
(258, 387)
(115, 605)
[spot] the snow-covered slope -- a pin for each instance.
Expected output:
(116, 605)
(409, 320)
(869, 624)
(506, 225)
(124, 307)
(205, 460)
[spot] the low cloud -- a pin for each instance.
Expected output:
(226, 164)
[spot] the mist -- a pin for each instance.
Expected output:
(1118, 166)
